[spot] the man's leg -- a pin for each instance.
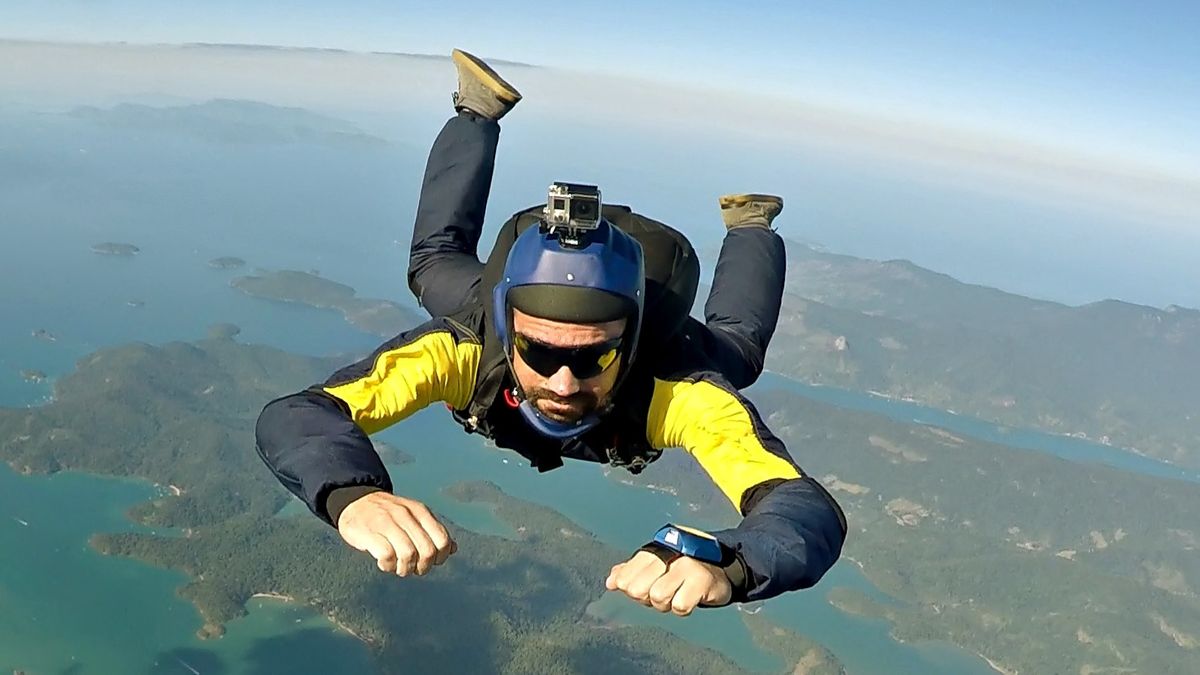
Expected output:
(444, 266)
(743, 304)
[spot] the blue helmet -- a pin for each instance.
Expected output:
(582, 277)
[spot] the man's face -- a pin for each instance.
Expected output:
(562, 395)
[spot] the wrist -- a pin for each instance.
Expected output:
(738, 575)
(674, 541)
(340, 498)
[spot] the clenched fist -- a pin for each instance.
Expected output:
(678, 587)
(401, 534)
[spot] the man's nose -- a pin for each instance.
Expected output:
(564, 383)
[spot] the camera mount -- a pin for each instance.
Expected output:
(572, 211)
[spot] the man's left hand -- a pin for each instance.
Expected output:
(678, 588)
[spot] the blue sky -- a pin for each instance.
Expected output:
(1117, 79)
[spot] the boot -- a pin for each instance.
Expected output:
(750, 210)
(480, 89)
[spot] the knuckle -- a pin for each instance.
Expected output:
(378, 521)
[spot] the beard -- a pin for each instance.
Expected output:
(563, 408)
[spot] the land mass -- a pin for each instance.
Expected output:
(33, 375)
(182, 415)
(1113, 372)
(226, 263)
(115, 248)
(803, 656)
(1009, 554)
(378, 317)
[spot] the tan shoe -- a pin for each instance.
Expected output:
(480, 89)
(749, 210)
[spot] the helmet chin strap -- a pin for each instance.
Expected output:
(558, 430)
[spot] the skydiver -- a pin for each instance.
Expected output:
(546, 356)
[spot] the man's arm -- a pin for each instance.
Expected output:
(792, 531)
(315, 441)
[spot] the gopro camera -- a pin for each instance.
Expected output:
(573, 206)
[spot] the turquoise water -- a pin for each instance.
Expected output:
(1066, 447)
(66, 608)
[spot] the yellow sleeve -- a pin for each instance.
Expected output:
(714, 426)
(404, 376)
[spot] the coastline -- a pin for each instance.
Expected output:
(1103, 440)
(996, 666)
(281, 597)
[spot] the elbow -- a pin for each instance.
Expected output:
(824, 535)
(267, 430)
(283, 427)
(791, 538)
(821, 551)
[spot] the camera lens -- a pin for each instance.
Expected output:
(583, 209)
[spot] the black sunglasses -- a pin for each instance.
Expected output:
(584, 362)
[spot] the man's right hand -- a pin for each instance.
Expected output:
(401, 534)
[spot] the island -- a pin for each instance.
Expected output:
(226, 263)
(378, 317)
(33, 375)
(115, 248)
(223, 331)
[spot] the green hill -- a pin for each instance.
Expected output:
(1113, 372)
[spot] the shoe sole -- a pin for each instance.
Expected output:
(503, 90)
(731, 201)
